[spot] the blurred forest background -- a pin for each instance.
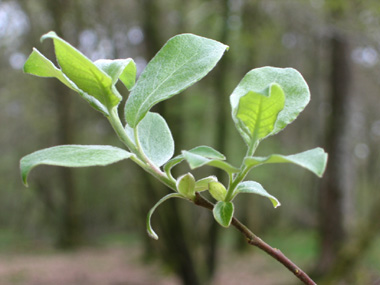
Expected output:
(329, 227)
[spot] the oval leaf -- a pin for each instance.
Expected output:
(182, 61)
(223, 213)
(257, 113)
(256, 188)
(155, 138)
(72, 156)
(296, 90)
(217, 191)
(314, 160)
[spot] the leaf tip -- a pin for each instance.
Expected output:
(48, 35)
(152, 234)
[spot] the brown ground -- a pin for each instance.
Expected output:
(120, 265)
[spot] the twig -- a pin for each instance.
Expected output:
(258, 242)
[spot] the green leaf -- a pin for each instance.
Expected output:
(202, 184)
(314, 160)
(84, 73)
(123, 69)
(256, 188)
(196, 160)
(39, 65)
(205, 151)
(223, 213)
(217, 191)
(181, 62)
(257, 113)
(296, 90)
(173, 162)
(72, 156)
(149, 228)
(155, 138)
(186, 186)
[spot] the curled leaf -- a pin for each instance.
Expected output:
(149, 228)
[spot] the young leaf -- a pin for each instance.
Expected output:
(217, 191)
(186, 186)
(256, 188)
(205, 151)
(202, 184)
(181, 62)
(171, 163)
(39, 65)
(296, 90)
(123, 69)
(196, 160)
(149, 228)
(72, 156)
(314, 160)
(155, 138)
(84, 73)
(223, 213)
(257, 113)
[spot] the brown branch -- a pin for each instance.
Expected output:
(258, 242)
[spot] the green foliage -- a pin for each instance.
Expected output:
(155, 138)
(257, 113)
(256, 188)
(313, 160)
(182, 61)
(72, 156)
(223, 213)
(295, 89)
(264, 102)
(186, 186)
(217, 190)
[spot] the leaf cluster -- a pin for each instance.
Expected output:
(264, 102)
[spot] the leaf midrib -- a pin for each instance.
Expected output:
(160, 84)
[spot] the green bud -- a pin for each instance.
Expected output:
(217, 191)
(186, 186)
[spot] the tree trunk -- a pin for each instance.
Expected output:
(70, 229)
(337, 184)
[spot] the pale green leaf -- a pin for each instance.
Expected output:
(155, 138)
(72, 156)
(205, 151)
(223, 213)
(149, 228)
(202, 184)
(182, 61)
(84, 73)
(186, 185)
(314, 160)
(257, 112)
(256, 188)
(217, 191)
(196, 160)
(123, 69)
(296, 90)
(171, 163)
